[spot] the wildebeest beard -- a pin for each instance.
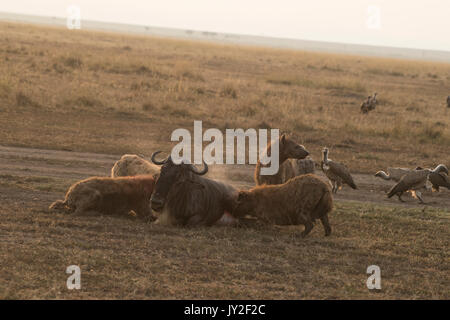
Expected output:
(181, 198)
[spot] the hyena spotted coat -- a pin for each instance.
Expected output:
(109, 196)
(301, 200)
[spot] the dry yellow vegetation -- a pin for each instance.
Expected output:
(111, 93)
(102, 92)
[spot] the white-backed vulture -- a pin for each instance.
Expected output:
(337, 172)
(372, 102)
(393, 173)
(414, 181)
(439, 180)
(365, 105)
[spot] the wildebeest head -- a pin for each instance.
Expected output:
(291, 149)
(170, 175)
(244, 204)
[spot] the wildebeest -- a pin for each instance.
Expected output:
(288, 149)
(301, 200)
(448, 102)
(188, 198)
(109, 196)
(133, 165)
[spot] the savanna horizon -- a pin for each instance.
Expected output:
(113, 93)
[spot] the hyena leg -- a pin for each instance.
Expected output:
(305, 219)
(308, 227)
(146, 214)
(61, 206)
(326, 224)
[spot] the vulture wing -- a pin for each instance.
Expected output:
(439, 180)
(342, 171)
(409, 181)
(397, 173)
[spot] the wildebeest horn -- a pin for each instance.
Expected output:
(200, 173)
(156, 161)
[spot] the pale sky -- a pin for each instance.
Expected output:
(422, 24)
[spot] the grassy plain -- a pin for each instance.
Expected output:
(113, 93)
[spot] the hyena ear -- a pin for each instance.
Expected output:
(283, 138)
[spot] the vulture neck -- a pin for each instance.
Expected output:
(383, 175)
(439, 168)
(325, 157)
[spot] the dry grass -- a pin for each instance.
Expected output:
(124, 258)
(118, 82)
(99, 92)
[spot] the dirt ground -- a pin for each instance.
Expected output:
(73, 166)
(127, 259)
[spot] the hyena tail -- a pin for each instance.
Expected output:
(59, 205)
(323, 207)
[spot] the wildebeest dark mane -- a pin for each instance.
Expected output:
(177, 199)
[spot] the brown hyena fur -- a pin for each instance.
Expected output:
(109, 196)
(133, 165)
(288, 149)
(301, 200)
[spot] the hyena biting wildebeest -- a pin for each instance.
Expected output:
(301, 200)
(133, 165)
(187, 198)
(288, 149)
(109, 196)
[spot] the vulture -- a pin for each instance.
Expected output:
(413, 181)
(393, 173)
(439, 180)
(372, 102)
(365, 105)
(337, 172)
